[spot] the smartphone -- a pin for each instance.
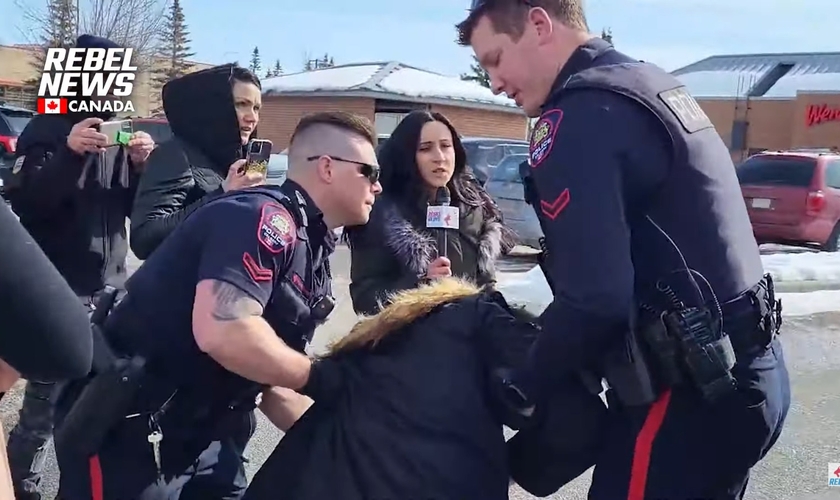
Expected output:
(259, 151)
(118, 132)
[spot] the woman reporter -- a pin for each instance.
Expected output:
(395, 251)
(213, 114)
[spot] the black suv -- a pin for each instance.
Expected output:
(12, 122)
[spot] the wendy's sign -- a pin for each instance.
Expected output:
(821, 113)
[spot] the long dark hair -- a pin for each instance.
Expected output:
(402, 184)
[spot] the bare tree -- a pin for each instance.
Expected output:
(129, 23)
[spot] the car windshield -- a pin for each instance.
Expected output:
(278, 163)
(508, 169)
(777, 171)
(159, 131)
(17, 119)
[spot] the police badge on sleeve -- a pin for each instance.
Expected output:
(543, 135)
(276, 229)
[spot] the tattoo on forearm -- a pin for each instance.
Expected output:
(232, 303)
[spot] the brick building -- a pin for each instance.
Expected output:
(385, 92)
(769, 101)
(17, 67)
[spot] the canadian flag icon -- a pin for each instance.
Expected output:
(49, 105)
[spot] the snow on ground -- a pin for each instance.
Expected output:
(531, 290)
(805, 266)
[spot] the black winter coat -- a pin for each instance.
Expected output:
(393, 250)
(417, 407)
(75, 206)
(187, 171)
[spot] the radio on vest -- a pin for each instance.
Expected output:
(442, 217)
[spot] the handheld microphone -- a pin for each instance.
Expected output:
(442, 217)
(45, 333)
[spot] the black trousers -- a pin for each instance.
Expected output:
(683, 448)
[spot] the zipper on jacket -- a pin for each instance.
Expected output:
(104, 205)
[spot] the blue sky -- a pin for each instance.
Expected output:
(671, 33)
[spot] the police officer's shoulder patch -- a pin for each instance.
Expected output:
(276, 227)
(690, 115)
(543, 135)
(18, 165)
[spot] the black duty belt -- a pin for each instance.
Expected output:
(753, 319)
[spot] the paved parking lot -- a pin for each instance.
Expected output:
(795, 470)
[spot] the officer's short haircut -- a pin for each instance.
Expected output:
(508, 16)
(341, 120)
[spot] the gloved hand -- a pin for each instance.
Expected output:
(325, 382)
(511, 404)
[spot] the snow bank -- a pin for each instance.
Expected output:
(531, 290)
(805, 266)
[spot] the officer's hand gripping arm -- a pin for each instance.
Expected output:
(283, 407)
(236, 279)
(579, 179)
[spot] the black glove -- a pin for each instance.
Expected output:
(509, 402)
(325, 382)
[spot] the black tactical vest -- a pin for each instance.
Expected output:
(701, 175)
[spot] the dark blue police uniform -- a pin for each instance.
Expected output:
(272, 243)
(630, 179)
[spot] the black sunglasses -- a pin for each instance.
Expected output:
(366, 169)
(477, 4)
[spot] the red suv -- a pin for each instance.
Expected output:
(793, 197)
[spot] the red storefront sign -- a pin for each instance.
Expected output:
(821, 113)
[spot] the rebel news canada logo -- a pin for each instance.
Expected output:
(87, 81)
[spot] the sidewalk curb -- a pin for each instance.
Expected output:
(805, 286)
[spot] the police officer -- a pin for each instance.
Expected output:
(643, 219)
(221, 311)
(74, 196)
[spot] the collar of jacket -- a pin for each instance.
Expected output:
(581, 59)
(405, 308)
(414, 247)
(316, 227)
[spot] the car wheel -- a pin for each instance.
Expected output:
(833, 243)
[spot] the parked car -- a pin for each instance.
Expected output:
(158, 128)
(485, 153)
(505, 186)
(12, 122)
(278, 164)
(793, 197)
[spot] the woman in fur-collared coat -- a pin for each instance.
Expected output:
(411, 403)
(395, 251)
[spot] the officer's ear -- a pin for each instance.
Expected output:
(326, 169)
(542, 24)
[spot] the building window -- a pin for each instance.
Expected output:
(386, 122)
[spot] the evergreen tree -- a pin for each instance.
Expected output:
(477, 74)
(174, 50)
(277, 70)
(606, 34)
(59, 32)
(255, 65)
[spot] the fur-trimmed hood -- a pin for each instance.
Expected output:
(403, 309)
(415, 249)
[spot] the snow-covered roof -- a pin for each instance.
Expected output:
(388, 80)
(762, 75)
